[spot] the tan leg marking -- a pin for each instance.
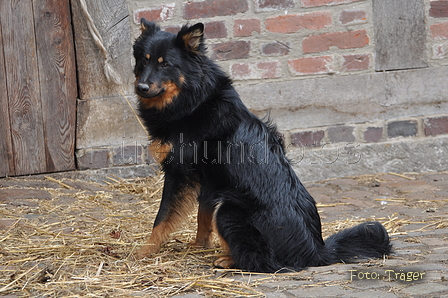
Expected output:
(160, 233)
(204, 233)
(225, 261)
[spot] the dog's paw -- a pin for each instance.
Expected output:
(146, 251)
(206, 243)
(224, 262)
(196, 243)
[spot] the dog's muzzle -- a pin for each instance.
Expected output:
(146, 91)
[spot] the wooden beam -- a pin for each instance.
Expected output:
(22, 78)
(400, 34)
(57, 75)
(6, 157)
(111, 18)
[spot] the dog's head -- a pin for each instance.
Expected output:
(160, 62)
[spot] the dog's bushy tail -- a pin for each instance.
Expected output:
(367, 240)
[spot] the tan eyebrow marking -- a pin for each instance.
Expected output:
(148, 56)
(160, 60)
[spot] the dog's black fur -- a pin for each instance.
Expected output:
(213, 150)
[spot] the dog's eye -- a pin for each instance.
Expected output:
(145, 61)
(164, 64)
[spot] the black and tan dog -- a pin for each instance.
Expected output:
(214, 151)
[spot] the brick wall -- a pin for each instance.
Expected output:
(312, 64)
(278, 40)
(286, 39)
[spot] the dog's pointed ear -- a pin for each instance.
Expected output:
(148, 28)
(191, 37)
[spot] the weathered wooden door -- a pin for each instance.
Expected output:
(37, 87)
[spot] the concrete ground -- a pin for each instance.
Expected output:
(414, 208)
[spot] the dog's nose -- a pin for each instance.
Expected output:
(142, 88)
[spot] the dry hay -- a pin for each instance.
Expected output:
(80, 244)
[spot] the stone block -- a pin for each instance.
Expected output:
(92, 158)
(343, 99)
(127, 155)
(398, 156)
(108, 121)
(425, 289)
(11, 194)
(341, 134)
(406, 128)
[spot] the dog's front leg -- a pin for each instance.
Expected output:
(178, 199)
(205, 228)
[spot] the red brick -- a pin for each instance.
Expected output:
(213, 8)
(341, 40)
(438, 9)
(307, 138)
(356, 62)
(155, 14)
(313, 3)
(269, 69)
(310, 65)
(241, 71)
(373, 134)
(293, 23)
(275, 49)
(439, 30)
(268, 5)
(215, 30)
(172, 29)
(243, 28)
(353, 16)
(255, 70)
(436, 126)
(230, 50)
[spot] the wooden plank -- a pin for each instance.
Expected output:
(111, 18)
(23, 86)
(6, 157)
(400, 34)
(57, 74)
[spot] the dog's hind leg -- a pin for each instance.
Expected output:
(247, 248)
(178, 199)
